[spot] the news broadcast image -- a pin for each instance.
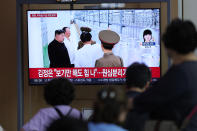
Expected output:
(139, 31)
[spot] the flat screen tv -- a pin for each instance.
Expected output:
(139, 31)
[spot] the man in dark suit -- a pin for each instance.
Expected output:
(108, 39)
(58, 53)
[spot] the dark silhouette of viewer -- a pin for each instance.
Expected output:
(138, 78)
(110, 110)
(58, 94)
(174, 96)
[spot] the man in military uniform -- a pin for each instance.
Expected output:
(108, 39)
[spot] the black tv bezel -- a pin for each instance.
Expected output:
(121, 83)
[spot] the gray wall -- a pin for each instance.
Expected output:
(187, 11)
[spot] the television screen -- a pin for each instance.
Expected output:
(65, 43)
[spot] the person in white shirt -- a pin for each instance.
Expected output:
(80, 43)
(70, 45)
(87, 56)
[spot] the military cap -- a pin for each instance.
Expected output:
(109, 37)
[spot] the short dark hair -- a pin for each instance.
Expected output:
(85, 36)
(68, 124)
(137, 75)
(110, 103)
(64, 28)
(147, 32)
(107, 46)
(180, 36)
(58, 32)
(59, 92)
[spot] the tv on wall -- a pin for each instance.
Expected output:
(139, 31)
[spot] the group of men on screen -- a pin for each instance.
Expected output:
(62, 52)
